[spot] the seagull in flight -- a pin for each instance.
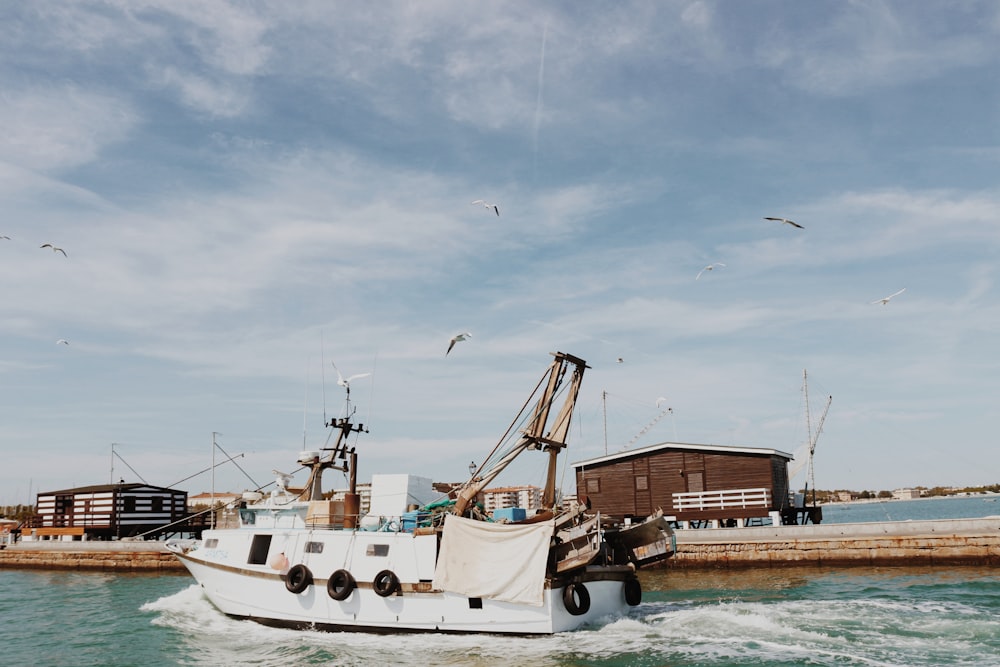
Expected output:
(62, 341)
(54, 249)
(884, 300)
(4, 237)
(661, 400)
(346, 382)
(496, 209)
(710, 267)
(457, 338)
(786, 221)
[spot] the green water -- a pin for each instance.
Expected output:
(801, 616)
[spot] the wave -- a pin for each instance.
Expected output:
(874, 625)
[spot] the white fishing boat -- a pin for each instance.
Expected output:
(306, 561)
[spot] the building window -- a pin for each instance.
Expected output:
(641, 483)
(129, 503)
(157, 504)
(593, 485)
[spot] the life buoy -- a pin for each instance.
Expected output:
(633, 591)
(576, 599)
(298, 578)
(339, 585)
(386, 583)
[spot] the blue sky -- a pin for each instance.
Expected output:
(247, 192)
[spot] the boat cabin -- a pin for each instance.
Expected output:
(697, 485)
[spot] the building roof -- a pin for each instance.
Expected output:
(105, 488)
(652, 449)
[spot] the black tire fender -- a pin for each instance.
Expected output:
(298, 578)
(576, 599)
(340, 585)
(633, 591)
(385, 583)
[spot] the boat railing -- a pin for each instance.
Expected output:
(694, 501)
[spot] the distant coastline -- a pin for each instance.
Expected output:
(991, 495)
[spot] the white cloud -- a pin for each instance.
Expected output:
(60, 126)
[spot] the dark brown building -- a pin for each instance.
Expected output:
(697, 484)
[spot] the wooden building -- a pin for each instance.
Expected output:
(698, 485)
(106, 512)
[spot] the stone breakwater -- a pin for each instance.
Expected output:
(939, 542)
(99, 556)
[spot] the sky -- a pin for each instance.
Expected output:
(249, 192)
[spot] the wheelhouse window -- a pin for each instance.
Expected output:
(377, 550)
(258, 549)
(314, 547)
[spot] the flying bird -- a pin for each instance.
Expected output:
(457, 338)
(496, 209)
(660, 401)
(710, 267)
(346, 382)
(884, 300)
(620, 360)
(62, 341)
(4, 237)
(54, 249)
(786, 221)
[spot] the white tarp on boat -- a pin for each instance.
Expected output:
(494, 561)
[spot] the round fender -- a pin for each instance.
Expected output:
(339, 585)
(386, 583)
(576, 599)
(298, 578)
(633, 591)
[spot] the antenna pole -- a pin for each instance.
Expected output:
(212, 515)
(604, 406)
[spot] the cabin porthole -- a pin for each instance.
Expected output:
(576, 599)
(633, 591)
(386, 583)
(298, 578)
(339, 585)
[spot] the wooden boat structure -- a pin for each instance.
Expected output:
(305, 561)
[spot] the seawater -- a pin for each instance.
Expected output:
(945, 507)
(803, 616)
(783, 616)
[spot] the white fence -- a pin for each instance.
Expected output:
(722, 500)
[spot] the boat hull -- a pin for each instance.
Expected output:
(260, 593)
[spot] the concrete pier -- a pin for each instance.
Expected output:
(940, 542)
(101, 556)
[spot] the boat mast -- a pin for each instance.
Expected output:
(532, 436)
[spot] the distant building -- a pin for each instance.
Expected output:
(525, 497)
(906, 494)
(364, 491)
(205, 500)
(105, 512)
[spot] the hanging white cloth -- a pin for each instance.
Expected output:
(494, 561)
